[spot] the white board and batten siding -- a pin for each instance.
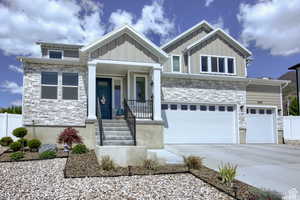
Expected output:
(8, 122)
(197, 123)
(291, 126)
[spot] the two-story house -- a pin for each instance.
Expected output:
(194, 89)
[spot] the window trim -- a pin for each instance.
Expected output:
(146, 85)
(49, 85)
(209, 67)
(53, 50)
(180, 60)
(69, 86)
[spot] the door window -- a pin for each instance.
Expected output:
(140, 84)
(117, 93)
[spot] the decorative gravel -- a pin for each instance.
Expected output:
(44, 180)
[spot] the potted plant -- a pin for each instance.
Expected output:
(120, 113)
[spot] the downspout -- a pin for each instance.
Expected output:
(297, 78)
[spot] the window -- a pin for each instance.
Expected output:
(140, 88)
(230, 108)
(164, 106)
(49, 85)
(221, 108)
(204, 63)
(230, 65)
(222, 65)
(184, 107)
(55, 54)
(70, 86)
(176, 63)
(203, 108)
(269, 112)
(173, 107)
(253, 111)
(214, 64)
(261, 111)
(193, 107)
(211, 108)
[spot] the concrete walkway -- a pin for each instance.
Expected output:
(275, 167)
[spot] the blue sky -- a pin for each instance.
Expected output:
(268, 28)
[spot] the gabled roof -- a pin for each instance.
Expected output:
(203, 23)
(295, 67)
(133, 33)
(225, 36)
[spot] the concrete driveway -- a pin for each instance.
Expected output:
(275, 167)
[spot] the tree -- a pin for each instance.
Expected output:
(12, 110)
(293, 108)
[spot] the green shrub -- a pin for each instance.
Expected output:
(15, 146)
(6, 141)
(20, 132)
(23, 142)
(17, 155)
(227, 172)
(79, 149)
(107, 164)
(150, 164)
(193, 162)
(264, 194)
(34, 144)
(48, 155)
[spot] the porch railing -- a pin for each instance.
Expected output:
(141, 109)
(99, 117)
(131, 120)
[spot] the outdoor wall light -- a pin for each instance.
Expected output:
(242, 108)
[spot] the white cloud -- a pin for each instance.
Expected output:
(16, 103)
(272, 25)
(208, 2)
(11, 87)
(15, 68)
(152, 20)
(47, 20)
(220, 24)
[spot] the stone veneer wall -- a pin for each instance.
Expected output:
(205, 91)
(53, 112)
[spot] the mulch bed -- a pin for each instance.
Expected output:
(29, 156)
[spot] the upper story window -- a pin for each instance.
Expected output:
(176, 62)
(70, 86)
(217, 64)
(49, 85)
(55, 54)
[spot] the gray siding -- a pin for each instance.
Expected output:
(263, 95)
(125, 48)
(216, 46)
(68, 53)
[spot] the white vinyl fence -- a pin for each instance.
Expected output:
(8, 122)
(291, 127)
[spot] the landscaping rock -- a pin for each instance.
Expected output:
(48, 147)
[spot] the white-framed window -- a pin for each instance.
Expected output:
(69, 86)
(140, 87)
(55, 54)
(176, 63)
(217, 64)
(49, 85)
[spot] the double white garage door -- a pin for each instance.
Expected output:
(195, 124)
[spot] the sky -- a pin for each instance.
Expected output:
(268, 28)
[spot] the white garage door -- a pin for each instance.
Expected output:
(260, 125)
(192, 124)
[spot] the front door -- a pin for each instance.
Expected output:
(103, 90)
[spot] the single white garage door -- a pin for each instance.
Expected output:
(260, 125)
(194, 124)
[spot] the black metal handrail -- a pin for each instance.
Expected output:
(143, 109)
(99, 117)
(130, 119)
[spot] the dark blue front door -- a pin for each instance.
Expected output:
(103, 91)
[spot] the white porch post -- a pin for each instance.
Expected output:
(92, 91)
(156, 89)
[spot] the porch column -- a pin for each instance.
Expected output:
(156, 89)
(92, 92)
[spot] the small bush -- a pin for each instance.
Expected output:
(6, 141)
(150, 164)
(227, 172)
(17, 155)
(34, 144)
(264, 194)
(79, 149)
(15, 146)
(20, 132)
(107, 164)
(69, 136)
(193, 162)
(48, 155)
(23, 142)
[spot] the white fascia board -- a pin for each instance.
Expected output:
(50, 61)
(202, 23)
(115, 62)
(224, 34)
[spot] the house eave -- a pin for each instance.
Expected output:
(50, 61)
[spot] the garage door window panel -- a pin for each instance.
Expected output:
(212, 108)
(193, 107)
(164, 106)
(173, 107)
(203, 108)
